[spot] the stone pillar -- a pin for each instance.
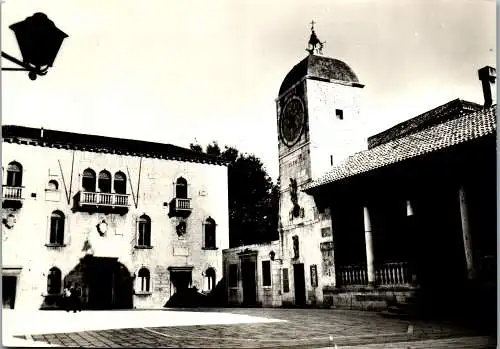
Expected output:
(413, 250)
(469, 254)
(409, 208)
(370, 268)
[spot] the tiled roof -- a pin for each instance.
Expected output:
(445, 112)
(466, 128)
(101, 144)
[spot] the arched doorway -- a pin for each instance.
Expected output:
(105, 283)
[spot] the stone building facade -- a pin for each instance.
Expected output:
(128, 223)
(253, 275)
(372, 225)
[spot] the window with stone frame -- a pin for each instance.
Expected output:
(181, 188)
(266, 273)
(233, 275)
(209, 279)
(120, 183)
(144, 280)
(89, 181)
(54, 281)
(14, 174)
(56, 236)
(286, 283)
(209, 233)
(144, 231)
(104, 182)
(53, 185)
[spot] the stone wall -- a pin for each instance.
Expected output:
(266, 296)
(333, 139)
(150, 183)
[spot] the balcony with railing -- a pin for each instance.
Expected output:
(183, 204)
(388, 274)
(104, 199)
(180, 207)
(12, 196)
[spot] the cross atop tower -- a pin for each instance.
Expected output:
(314, 45)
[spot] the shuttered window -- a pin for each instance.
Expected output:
(286, 285)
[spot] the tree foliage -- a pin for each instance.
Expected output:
(253, 197)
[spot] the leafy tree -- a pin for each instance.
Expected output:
(253, 197)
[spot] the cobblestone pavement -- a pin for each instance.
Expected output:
(302, 328)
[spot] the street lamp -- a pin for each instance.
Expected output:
(39, 41)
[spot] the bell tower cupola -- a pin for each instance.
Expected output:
(318, 109)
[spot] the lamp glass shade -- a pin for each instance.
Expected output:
(39, 40)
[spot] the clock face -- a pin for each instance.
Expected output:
(292, 121)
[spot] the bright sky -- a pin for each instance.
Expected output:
(175, 71)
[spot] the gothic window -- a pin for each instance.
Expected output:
(54, 281)
(120, 183)
(105, 182)
(210, 279)
(88, 180)
(14, 174)
(266, 273)
(210, 233)
(144, 280)
(144, 231)
(181, 188)
(233, 275)
(53, 185)
(56, 228)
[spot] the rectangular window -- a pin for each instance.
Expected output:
(314, 275)
(326, 232)
(286, 285)
(266, 273)
(233, 275)
(339, 113)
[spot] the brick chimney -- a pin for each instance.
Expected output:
(488, 75)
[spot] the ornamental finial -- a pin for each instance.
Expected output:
(314, 45)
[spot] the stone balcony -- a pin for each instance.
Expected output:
(180, 207)
(12, 197)
(103, 202)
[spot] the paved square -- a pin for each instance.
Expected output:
(248, 328)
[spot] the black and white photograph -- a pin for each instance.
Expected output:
(249, 174)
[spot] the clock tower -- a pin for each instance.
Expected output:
(318, 126)
(318, 116)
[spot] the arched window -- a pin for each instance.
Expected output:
(14, 174)
(144, 279)
(53, 185)
(57, 228)
(88, 180)
(181, 188)
(210, 233)
(144, 231)
(210, 279)
(54, 281)
(120, 183)
(104, 182)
